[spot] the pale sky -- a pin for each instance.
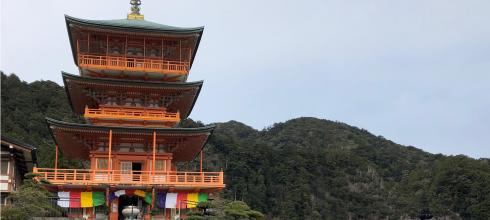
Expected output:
(416, 72)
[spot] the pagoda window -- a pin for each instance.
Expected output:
(167, 100)
(124, 149)
(117, 45)
(82, 42)
(153, 48)
(135, 47)
(111, 101)
(93, 44)
(133, 102)
(153, 103)
(101, 164)
(135, 51)
(160, 165)
(161, 149)
(100, 149)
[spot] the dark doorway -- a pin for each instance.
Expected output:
(136, 167)
(125, 201)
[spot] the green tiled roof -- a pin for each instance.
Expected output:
(133, 25)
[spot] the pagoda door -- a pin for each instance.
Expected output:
(126, 170)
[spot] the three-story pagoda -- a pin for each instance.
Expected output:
(133, 92)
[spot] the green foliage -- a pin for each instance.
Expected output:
(30, 200)
(240, 210)
(24, 108)
(224, 210)
(308, 168)
(305, 168)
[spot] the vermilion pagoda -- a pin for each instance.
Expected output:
(133, 93)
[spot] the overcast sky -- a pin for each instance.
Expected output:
(416, 72)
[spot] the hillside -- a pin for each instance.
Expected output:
(305, 168)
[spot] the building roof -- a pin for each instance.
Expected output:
(25, 154)
(76, 86)
(133, 25)
(18, 144)
(73, 139)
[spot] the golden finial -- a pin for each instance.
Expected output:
(135, 10)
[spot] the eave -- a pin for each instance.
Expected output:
(185, 106)
(65, 135)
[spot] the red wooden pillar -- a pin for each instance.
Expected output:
(109, 160)
(56, 158)
(201, 162)
(154, 152)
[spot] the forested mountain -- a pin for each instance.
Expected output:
(305, 168)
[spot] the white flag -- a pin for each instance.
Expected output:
(64, 199)
(171, 201)
(120, 192)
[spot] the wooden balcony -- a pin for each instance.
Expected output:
(132, 64)
(129, 113)
(88, 177)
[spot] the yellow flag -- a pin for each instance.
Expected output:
(192, 199)
(86, 199)
(140, 193)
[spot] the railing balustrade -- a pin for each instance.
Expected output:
(88, 177)
(128, 113)
(135, 64)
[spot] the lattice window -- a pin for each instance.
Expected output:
(102, 164)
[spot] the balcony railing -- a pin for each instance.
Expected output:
(131, 113)
(133, 64)
(96, 177)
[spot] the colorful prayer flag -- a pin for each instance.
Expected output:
(64, 199)
(80, 199)
(203, 197)
(86, 199)
(171, 201)
(161, 197)
(148, 198)
(192, 199)
(120, 192)
(139, 193)
(75, 199)
(182, 200)
(98, 198)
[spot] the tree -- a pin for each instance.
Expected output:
(240, 210)
(31, 200)
(224, 210)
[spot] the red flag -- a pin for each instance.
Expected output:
(75, 200)
(182, 200)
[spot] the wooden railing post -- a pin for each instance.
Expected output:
(221, 176)
(109, 161)
(154, 155)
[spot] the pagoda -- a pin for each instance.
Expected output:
(132, 91)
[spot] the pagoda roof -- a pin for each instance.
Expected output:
(133, 25)
(75, 85)
(74, 139)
